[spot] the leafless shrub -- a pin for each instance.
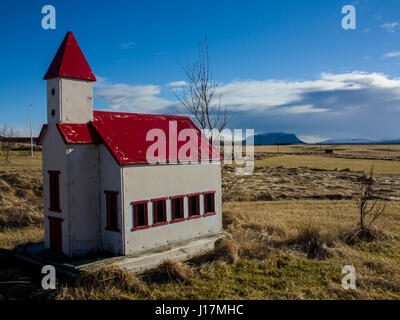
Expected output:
(370, 207)
(199, 96)
(6, 145)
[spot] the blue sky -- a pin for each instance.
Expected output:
(281, 65)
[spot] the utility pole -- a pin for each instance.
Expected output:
(30, 111)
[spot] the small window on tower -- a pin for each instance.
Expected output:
(53, 113)
(53, 92)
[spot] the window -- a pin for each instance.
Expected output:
(55, 233)
(54, 186)
(209, 203)
(112, 210)
(177, 208)
(159, 211)
(194, 205)
(140, 215)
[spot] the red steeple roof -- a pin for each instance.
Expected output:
(70, 62)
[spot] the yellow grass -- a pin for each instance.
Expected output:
(22, 159)
(270, 268)
(331, 163)
(353, 150)
(267, 255)
(11, 238)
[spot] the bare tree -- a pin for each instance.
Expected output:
(369, 203)
(6, 144)
(199, 96)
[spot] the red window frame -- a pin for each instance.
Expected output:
(55, 189)
(181, 197)
(55, 234)
(108, 206)
(197, 204)
(206, 212)
(135, 204)
(155, 222)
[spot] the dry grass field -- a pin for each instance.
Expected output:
(288, 220)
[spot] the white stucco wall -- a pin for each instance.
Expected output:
(54, 158)
(83, 204)
(72, 100)
(110, 180)
(79, 192)
(146, 182)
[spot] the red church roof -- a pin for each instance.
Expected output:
(125, 135)
(74, 133)
(70, 62)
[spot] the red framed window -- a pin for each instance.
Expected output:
(55, 226)
(209, 203)
(177, 208)
(159, 211)
(140, 215)
(112, 210)
(194, 205)
(54, 190)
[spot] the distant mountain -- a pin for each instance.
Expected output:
(276, 138)
(394, 141)
(358, 141)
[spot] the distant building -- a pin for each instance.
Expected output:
(100, 191)
(19, 139)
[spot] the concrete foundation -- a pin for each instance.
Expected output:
(135, 264)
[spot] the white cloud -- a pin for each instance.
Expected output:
(279, 96)
(391, 27)
(133, 98)
(303, 109)
(288, 96)
(330, 105)
(127, 45)
(176, 84)
(391, 54)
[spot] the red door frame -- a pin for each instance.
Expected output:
(55, 233)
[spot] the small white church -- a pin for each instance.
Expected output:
(101, 192)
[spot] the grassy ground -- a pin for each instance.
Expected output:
(22, 159)
(270, 268)
(285, 249)
(356, 151)
(21, 210)
(272, 262)
(331, 163)
(12, 237)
